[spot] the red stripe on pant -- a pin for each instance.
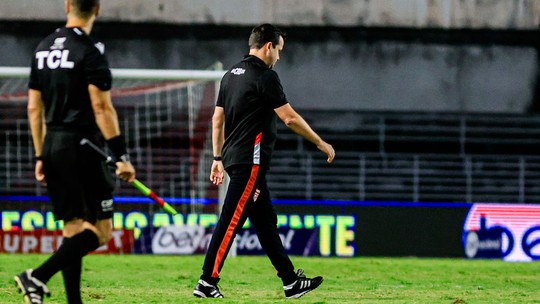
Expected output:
(229, 235)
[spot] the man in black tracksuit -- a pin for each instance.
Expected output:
(243, 137)
(68, 100)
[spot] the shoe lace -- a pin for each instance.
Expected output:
(300, 273)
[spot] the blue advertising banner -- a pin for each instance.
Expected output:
(303, 242)
(195, 240)
(483, 243)
(338, 228)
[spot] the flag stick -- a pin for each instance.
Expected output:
(136, 183)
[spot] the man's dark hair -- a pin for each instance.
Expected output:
(264, 33)
(84, 8)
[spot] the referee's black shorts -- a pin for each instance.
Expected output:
(79, 183)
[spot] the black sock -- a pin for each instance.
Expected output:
(72, 281)
(210, 280)
(289, 278)
(72, 249)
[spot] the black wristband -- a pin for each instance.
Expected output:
(118, 148)
(218, 158)
(36, 158)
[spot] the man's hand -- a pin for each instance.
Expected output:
(125, 171)
(40, 176)
(327, 149)
(216, 174)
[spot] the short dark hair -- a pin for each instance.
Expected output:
(264, 33)
(84, 8)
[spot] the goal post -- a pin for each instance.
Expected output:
(147, 74)
(164, 114)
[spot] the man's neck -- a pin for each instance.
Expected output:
(83, 24)
(259, 54)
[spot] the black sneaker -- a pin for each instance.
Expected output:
(301, 286)
(206, 290)
(32, 288)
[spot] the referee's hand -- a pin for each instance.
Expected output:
(40, 176)
(125, 171)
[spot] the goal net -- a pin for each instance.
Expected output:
(165, 116)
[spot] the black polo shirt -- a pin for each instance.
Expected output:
(64, 64)
(249, 93)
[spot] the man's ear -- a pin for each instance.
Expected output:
(267, 46)
(97, 10)
(68, 6)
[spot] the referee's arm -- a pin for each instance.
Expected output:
(107, 121)
(36, 118)
(36, 113)
(106, 117)
(296, 123)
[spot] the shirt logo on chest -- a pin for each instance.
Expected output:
(58, 43)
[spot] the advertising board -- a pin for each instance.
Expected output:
(518, 224)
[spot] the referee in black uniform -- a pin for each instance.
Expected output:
(243, 137)
(69, 99)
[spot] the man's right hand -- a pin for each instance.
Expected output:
(125, 171)
(217, 173)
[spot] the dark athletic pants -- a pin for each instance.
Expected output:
(247, 196)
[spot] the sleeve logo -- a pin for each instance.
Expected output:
(238, 71)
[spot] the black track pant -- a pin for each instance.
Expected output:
(247, 196)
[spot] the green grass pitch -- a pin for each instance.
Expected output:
(170, 279)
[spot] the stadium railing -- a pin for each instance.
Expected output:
(390, 156)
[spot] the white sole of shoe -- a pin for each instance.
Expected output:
(298, 295)
(20, 287)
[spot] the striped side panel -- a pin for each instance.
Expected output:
(229, 235)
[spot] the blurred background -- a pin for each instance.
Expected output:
(432, 106)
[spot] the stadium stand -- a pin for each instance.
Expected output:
(430, 157)
(381, 156)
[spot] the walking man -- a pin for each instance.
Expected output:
(69, 99)
(243, 137)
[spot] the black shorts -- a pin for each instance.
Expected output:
(79, 183)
